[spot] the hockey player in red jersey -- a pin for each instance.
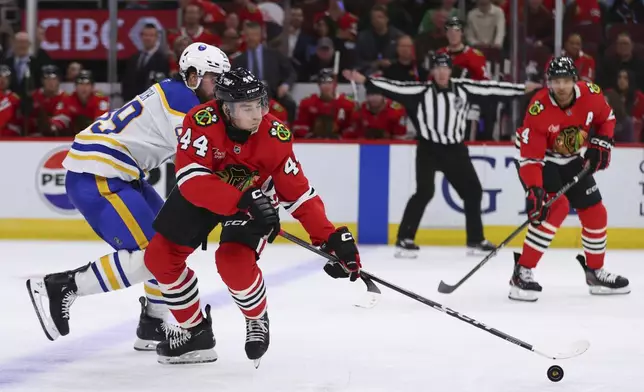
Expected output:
(324, 115)
(556, 127)
(9, 106)
(82, 107)
(45, 102)
(470, 61)
(234, 162)
(378, 118)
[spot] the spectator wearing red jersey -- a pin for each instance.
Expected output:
(325, 115)
(9, 106)
(192, 27)
(378, 118)
(582, 12)
(585, 64)
(466, 61)
(247, 11)
(81, 108)
(45, 101)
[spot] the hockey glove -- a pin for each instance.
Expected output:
(342, 244)
(535, 200)
(264, 215)
(598, 153)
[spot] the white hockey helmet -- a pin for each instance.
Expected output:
(203, 58)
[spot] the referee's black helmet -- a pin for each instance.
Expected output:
(441, 60)
(561, 67)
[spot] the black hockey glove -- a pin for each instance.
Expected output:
(264, 215)
(342, 244)
(535, 200)
(598, 153)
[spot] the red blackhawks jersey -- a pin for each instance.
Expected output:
(276, 109)
(44, 110)
(202, 35)
(470, 61)
(389, 122)
(74, 115)
(552, 134)
(9, 114)
(317, 117)
(212, 171)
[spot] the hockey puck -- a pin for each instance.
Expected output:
(555, 373)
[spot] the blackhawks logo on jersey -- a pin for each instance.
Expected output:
(205, 117)
(280, 131)
(570, 140)
(535, 108)
(238, 176)
(594, 89)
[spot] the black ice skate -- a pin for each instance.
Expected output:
(522, 284)
(151, 330)
(194, 345)
(480, 248)
(60, 291)
(257, 338)
(602, 282)
(406, 249)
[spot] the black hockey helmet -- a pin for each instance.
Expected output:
(441, 60)
(85, 77)
(5, 70)
(454, 23)
(50, 71)
(239, 85)
(561, 67)
(325, 76)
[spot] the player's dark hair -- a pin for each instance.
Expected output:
(150, 26)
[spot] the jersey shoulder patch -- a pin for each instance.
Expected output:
(395, 105)
(176, 97)
(477, 52)
(536, 108)
(205, 116)
(280, 132)
(276, 106)
(593, 88)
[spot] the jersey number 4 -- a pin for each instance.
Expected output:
(200, 144)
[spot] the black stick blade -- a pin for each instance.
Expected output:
(444, 288)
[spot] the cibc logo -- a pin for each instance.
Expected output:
(50, 182)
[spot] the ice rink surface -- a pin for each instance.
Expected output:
(320, 342)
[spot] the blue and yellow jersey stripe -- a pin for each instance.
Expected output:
(177, 99)
(105, 150)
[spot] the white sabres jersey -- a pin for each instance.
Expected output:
(138, 137)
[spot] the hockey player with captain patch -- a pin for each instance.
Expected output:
(105, 182)
(556, 127)
(234, 163)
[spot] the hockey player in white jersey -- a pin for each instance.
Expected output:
(105, 181)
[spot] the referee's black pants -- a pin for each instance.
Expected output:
(454, 162)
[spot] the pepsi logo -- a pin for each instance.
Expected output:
(50, 182)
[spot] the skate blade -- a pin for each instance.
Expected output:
(145, 345)
(197, 356)
(401, 253)
(602, 290)
(257, 362)
(477, 252)
(516, 294)
(37, 291)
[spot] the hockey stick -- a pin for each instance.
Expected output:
(576, 349)
(372, 290)
(447, 289)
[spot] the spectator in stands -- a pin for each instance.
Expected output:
(73, 69)
(541, 24)
(405, 67)
(378, 118)
(323, 26)
(270, 65)
(624, 58)
(41, 55)
(398, 17)
(585, 64)
(345, 42)
(180, 44)
(9, 106)
(247, 11)
(142, 66)
(192, 27)
(428, 25)
(25, 69)
(377, 45)
(466, 60)
(232, 22)
(627, 103)
(582, 12)
(45, 101)
(430, 41)
(322, 59)
(299, 42)
(212, 13)
(485, 25)
(626, 11)
(231, 41)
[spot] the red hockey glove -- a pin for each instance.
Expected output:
(342, 244)
(265, 216)
(598, 153)
(535, 200)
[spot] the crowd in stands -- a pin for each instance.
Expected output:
(299, 44)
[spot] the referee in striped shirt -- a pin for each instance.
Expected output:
(438, 111)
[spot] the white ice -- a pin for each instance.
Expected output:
(321, 343)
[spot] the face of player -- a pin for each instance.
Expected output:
(84, 90)
(441, 75)
(206, 89)
(326, 89)
(4, 82)
(454, 36)
(247, 115)
(375, 101)
(51, 85)
(562, 88)
(622, 81)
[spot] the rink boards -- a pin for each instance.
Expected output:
(364, 186)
